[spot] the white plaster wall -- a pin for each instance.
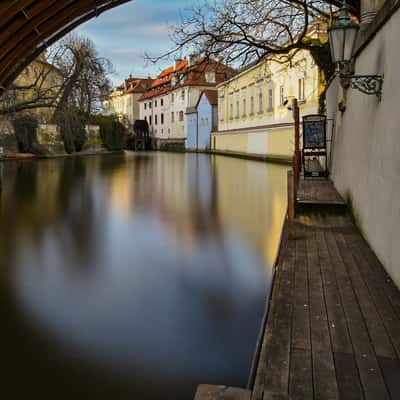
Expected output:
(366, 154)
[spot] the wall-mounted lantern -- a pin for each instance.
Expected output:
(342, 38)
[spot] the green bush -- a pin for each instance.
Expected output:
(73, 131)
(25, 127)
(113, 134)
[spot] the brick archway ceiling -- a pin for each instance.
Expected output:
(28, 27)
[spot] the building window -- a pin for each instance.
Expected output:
(172, 117)
(145, 118)
(155, 103)
(210, 77)
(281, 95)
(270, 100)
(237, 108)
(183, 95)
(222, 108)
(244, 111)
(155, 120)
(252, 105)
(180, 115)
(162, 102)
(145, 106)
(260, 102)
(301, 89)
(230, 111)
(150, 104)
(172, 98)
(162, 119)
(150, 120)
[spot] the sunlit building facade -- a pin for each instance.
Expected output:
(175, 90)
(123, 100)
(253, 106)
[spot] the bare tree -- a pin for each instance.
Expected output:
(36, 89)
(85, 74)
(73, 75)
(241, 31)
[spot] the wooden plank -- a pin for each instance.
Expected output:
(337, 322)
(377, 332)
(215, 392)
(301, 384)
(259, 383)
(375, 280)
(318, 191)
(371, 377)
(347, 377)
(324, 377)
(391, 372)
(279, 338)
(301, 314)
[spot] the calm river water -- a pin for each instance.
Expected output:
(134, 276)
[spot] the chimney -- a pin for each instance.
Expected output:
(177, 61)
(191, 59)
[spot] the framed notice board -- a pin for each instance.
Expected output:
(314, 131)
(314, 146)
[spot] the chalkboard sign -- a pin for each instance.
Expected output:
(314, 131)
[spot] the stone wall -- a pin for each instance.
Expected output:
(169, 144)
(274, 143)
(366, 147)
(7, 138)
(48, 135)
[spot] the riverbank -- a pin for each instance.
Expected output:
(333, 322)
(333, 328)
(29, 156)
(236, 154)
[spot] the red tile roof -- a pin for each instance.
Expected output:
(212, 96)
(135, 85)
(194, 75)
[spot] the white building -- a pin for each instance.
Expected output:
(176, 89)
(123, 100)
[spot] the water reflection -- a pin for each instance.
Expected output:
(135, 275)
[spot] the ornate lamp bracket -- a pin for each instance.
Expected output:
(368, 84)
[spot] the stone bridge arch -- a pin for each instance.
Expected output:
(28, 27)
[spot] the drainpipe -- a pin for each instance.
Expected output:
(197, 130)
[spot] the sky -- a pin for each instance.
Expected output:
(125, 33)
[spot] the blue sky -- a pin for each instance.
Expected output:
(125, 33)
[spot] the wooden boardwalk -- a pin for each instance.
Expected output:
(333, 328)
(318, 191)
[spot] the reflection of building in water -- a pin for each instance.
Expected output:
(197, 196)
(180, 189)
(261, 187)
(121, 196)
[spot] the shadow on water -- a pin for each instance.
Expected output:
(134, 276)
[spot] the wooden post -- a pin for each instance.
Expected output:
(297, 155)
(291, 204)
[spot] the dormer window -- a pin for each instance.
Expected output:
(173, 81)
(210, 77)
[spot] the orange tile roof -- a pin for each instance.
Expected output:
(212, 96)
(194, 75)
(135, 85)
